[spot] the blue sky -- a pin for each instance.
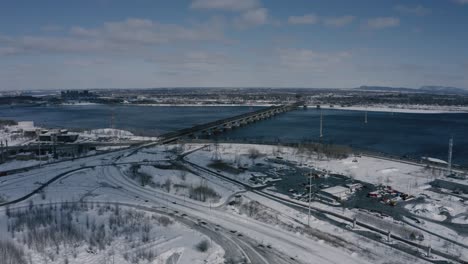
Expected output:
(52, 44)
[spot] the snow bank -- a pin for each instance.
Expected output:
(414, 109)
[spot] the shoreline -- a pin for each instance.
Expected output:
(455, 110)
(424, 109)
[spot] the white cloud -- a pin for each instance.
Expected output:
(82, 32)
(381, 23)
(305, 19)
(465, 66)
(129, 35)
(230, 5)
(9, 51)
(51, 28)
(193, 61)
(253, 17)
(418, 10)
(309, 60)
(339, 21)
(461, 2)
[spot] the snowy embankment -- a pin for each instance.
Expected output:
(403, 177)
(414, 109)
(258, 104)
(112, 134)
(18, 185)
(13, 135)
(79, 103)
(17, 164)
(437, 206)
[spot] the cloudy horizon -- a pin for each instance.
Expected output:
(232, 43)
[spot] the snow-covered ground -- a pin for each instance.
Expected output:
(79, 103)
(437, 205)
(416, 109)
(104, 233)
(235, 159)
(401, 176)
(183, 183)
(13, 135)
(16, 164)
(256, 220)
(111, 134)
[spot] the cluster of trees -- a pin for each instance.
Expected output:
(203, 246)
(64, 228)
(143, 178)
(11, 253)
(203, 193)
(252, 208)
(324, 150)
(147, 255)
(7, 122)
(253, 154)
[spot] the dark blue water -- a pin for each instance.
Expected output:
(149, 120)
(401, 134)
(414, 135)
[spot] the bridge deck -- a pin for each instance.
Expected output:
(171, 136)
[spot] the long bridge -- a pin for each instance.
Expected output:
(206, 129)
(225, 124)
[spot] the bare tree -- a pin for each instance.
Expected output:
(254, 154)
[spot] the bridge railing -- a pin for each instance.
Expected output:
(187, 131)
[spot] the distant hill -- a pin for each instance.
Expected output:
(443, 90)
(423, 89)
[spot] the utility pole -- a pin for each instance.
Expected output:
(40, 159)
(112, 121)
(54, 142)
(449, 168)
(1, 148)
(6, 149)
(321, 124)
(310, 194)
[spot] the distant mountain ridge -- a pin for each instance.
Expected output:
(432, 89)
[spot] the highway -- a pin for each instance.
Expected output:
(319, 211)
(247, 248)
(238, 248)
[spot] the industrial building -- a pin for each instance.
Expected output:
(59, 136)
(336, 192)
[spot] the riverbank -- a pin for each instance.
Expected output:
(409, 109)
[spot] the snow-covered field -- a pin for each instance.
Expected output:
(269, 231)
(102, 233)
(401, 176)
(436, 206)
